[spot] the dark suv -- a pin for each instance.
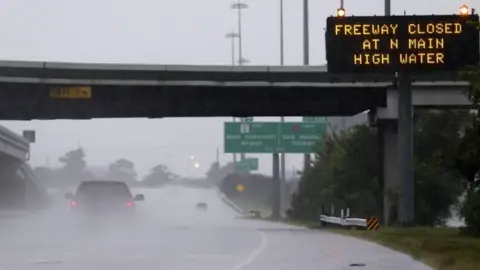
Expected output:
(102, 200)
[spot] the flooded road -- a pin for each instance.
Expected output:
(171, 233)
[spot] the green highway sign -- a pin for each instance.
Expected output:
(246, 119)
(273, 137)
(255, 137)
(248, 164)
(313, 119)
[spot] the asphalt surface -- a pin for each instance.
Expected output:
(169, 233)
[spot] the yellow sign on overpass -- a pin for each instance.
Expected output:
(76, 92)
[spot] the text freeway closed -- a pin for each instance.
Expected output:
(395, 43)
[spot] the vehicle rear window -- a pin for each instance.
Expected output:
(104, 190)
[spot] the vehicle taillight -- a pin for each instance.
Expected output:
(73, 203)
(129, 204)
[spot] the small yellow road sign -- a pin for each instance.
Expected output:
(240, 188)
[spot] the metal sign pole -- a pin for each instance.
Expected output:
(276, 187)
(405, 148)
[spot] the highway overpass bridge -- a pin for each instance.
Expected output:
(42, 90)
(19, 188)
(28, 91)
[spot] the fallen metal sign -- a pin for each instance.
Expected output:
(71, 92)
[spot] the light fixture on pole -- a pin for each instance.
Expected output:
(464, 10)
(239, 6)
(341, 10)
(242, 61)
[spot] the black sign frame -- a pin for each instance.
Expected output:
(345, 52)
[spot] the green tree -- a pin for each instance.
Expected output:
(123, 170)
(257, 187)
(468, 155)
(74, 160)
(217, 173)
(344, 173)
(315, 189)
(74, 165)
(159, 175)
(437, 184)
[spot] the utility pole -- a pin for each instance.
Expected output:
(282, 119)
(232, 36)
(239, 6)
(306, 62)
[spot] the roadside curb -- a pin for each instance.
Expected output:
(228, 202)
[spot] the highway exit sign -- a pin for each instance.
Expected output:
(273, 137)
(246, 165)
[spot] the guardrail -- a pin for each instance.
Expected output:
(345, 221)
(228, 202)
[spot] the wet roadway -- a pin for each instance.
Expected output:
(171, 234)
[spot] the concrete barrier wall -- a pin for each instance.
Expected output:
(228, 202)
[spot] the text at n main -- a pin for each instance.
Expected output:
(408, 44)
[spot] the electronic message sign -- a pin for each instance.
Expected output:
(399, 43)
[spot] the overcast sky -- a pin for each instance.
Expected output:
(162, 32)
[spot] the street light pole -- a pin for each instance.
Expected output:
(281, 32)
(232, 36)
(239, 6)
(306, 62)
(306, 37)
(282, 119)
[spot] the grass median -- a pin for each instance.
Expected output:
(441, 248)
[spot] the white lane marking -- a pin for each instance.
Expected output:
(46, 262)
(257, 251)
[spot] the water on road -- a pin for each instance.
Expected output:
(170, 233)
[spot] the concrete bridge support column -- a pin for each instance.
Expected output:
(19, 188)
(389, 133)
(12, 190)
